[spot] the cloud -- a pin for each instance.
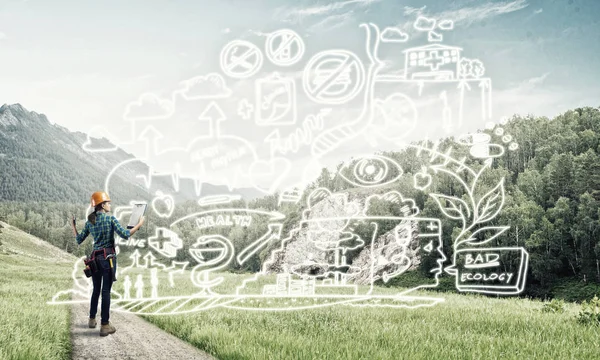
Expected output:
(326, 9)
(477, 13)
(331, 22)
(425, 24)
(392, 34)
(530, 97)
(537, 80)
(538, 11)
(335, 11)
(211, 86)
(467, 15)
(2, 35)
(226, 31)
(149, 106)
(257, 32)
(99, 140)
(412, 10)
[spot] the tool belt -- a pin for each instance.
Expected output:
(105, 252)
(91, 266)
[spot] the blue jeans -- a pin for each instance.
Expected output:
(102, 281)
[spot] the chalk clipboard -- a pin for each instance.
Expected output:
(137, 212)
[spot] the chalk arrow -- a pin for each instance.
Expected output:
(177, 267)
(214, 115)
(151, 136)
(274, 232)
(150, 261)
(135, 260)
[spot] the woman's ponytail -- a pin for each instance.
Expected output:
(92, 217)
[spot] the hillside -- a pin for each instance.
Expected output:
(45, 162)
(552, 197)
(14, 241)
(31, 271)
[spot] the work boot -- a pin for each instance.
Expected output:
(91, 323)
(107, 329)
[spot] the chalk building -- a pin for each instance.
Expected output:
(432, 62)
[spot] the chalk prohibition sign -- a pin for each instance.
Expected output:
(333, 77)
(241, 59)
(280, 46)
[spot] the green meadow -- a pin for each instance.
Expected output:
(31, 272)
(463, 326)
(472, 327)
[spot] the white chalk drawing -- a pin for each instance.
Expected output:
(428, 25)
(432, 62)
(393, 35)
(284, 47)
(304, 135)
(127, 288)
(397, 117)
(273, 233)
(154, 282)
(194, 251)
(139, 287)
(423, 23)
(371, 171)
(293, 195)
(333, 77)
(333, 137)
(165, 242)
(447, 124)
(271, 172)
(275, 101)
(96, 140)
(241, 59)
(218, 199)
(422, 180)
(163, 204)
(222, 252)
(210, 86)
(149, 106)
(245, 109)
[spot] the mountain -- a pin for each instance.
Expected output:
(41, 161)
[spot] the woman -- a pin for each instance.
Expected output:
(103, 227)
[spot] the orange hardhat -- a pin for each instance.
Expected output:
(99, 197)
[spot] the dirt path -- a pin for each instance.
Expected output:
(134, 339)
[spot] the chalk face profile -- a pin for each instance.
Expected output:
(252, 122)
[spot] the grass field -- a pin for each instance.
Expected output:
(29, 276)
(464, 326)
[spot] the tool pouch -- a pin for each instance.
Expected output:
(90, 267)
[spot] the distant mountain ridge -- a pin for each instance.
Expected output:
(41, 161)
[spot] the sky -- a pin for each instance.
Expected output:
(84, 63)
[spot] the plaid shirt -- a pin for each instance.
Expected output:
(103, 231)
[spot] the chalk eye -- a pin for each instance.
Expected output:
(371, 171)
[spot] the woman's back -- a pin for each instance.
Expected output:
(103, 231)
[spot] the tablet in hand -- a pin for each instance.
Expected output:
(136, 214)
